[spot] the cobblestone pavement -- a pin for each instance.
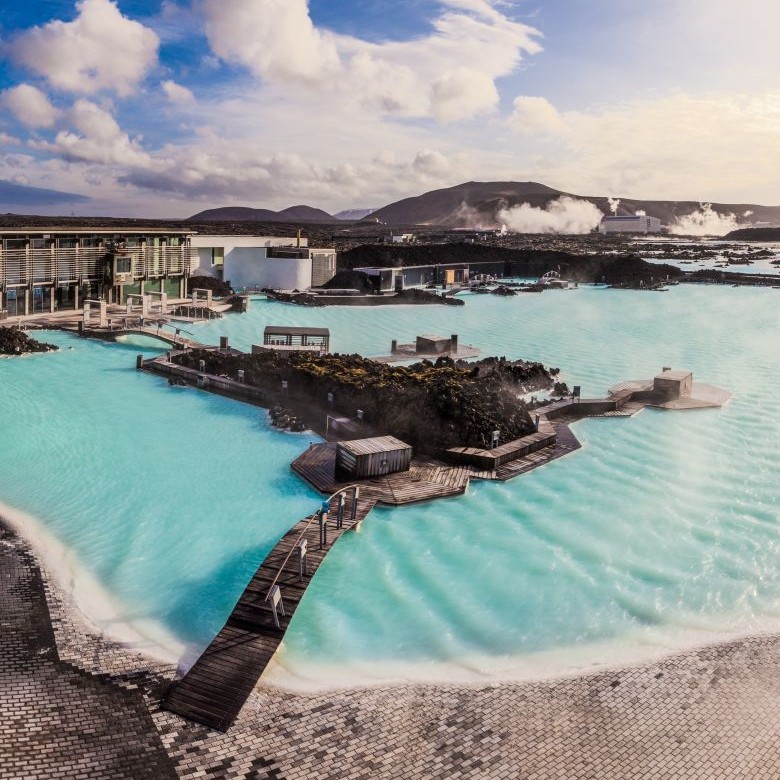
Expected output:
(707, 714)
(57, 721)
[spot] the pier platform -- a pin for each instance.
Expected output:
(214, 690)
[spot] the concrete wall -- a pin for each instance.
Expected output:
(249, 267)
(203, 244)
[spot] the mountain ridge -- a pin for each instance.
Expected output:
(300, 213)
(477, 204)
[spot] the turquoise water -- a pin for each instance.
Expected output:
(662, 530)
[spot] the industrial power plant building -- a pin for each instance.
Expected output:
(637, 223)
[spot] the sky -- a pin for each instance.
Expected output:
(161, 108)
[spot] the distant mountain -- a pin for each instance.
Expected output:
(465, 205)
(476, 204)
(244, 214)
(354, 214)
(20, 195)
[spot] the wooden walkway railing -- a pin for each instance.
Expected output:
(216, 687)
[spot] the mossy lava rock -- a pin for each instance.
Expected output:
(16, 342)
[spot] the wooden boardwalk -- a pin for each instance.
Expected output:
(216, 687)
(427, 478)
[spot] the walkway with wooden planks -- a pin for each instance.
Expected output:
(216, 687)
(427, 478)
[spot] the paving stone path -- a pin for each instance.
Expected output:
(57, 721)
(708, 714)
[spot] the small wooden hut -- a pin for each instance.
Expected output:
(362, 458)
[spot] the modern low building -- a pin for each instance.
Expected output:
(257, 262)
(283, 338)
(390, 279)
(636, 223)
(49, 269)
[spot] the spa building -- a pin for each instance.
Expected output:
(50, 269)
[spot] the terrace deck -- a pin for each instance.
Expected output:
(427, 478)
(214, 690)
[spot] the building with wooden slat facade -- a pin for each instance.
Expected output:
(376, 457)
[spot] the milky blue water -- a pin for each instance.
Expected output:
(661, 531)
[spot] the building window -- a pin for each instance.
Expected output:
(218, 255)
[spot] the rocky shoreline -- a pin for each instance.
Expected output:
(431, 406)
(16, 342)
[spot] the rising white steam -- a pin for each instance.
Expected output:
(640, 213)
(613, 204)
(747, 214)
(564, 215)
(704, 222)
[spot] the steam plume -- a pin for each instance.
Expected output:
(640, 213)
(704, 222)
(613, 204)
(564, 215)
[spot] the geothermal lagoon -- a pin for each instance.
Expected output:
(156, 503)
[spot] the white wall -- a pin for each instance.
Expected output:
(203, 244)
(249, 267)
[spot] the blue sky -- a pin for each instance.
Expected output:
(164, 108)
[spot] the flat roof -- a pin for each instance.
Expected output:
(287, 347)
(373, 446)
(680, 375)
(282, 330)
(433, 337)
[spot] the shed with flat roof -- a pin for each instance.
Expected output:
(376, 457)
(291, 337)
(673, 384)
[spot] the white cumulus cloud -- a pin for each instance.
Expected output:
(449, 74)
(99, 50)
(177, 94)
(535, 115)
(30, 106)
(564, 215)
(96, 138)
(275, 39)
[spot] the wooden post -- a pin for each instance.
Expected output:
(353, 511)
(340, 515)
(302, 550)
(139, 362)
(277, 605)
(322, 515)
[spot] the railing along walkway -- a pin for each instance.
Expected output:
(216, 687)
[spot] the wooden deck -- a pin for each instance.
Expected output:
(216, 687)
(427, 478)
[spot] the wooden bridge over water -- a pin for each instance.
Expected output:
(214, 690)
